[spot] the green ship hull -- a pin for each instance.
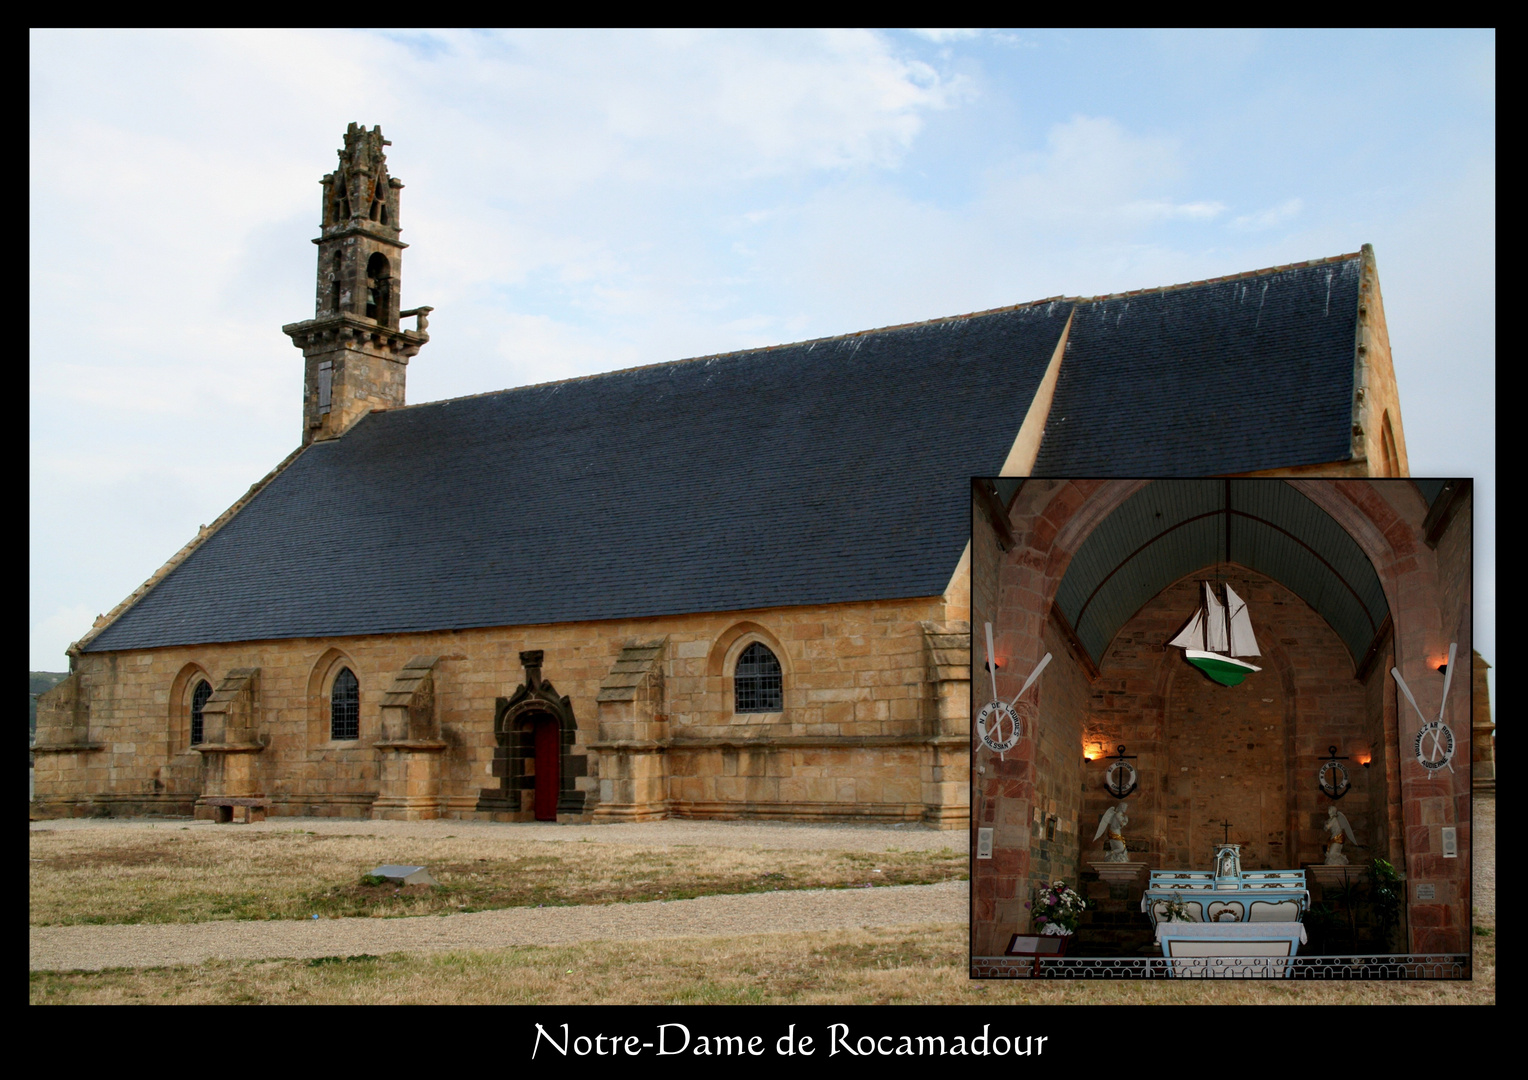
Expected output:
(1226, 670)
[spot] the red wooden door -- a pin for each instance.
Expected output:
(548, 749)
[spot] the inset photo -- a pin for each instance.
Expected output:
(1222, 728)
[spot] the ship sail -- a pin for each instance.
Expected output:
(1218, 634)
(1192, 635)
(1242, 642)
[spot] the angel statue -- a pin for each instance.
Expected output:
(1337, 830)
(1113, 822)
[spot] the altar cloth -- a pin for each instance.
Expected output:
(1205, 948)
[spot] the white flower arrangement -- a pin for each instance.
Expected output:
(1057, 909)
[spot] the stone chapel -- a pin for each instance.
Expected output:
(735, 586)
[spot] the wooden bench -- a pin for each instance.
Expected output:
(236, 810)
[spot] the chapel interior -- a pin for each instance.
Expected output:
(1343, 580)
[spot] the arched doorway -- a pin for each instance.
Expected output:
(535, 759)
(545, 763)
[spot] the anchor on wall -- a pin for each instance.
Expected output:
(1332, 777)
(1120, 777)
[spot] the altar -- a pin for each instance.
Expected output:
(1227, 894)
(1227, 921)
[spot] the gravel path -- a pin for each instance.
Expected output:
(153, 945)
(65, 948)
(678, 833)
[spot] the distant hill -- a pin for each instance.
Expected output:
(41, 682)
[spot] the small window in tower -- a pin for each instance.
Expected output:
(199, 698)
(325, 386)
(756, 685)
(376, 288)
(345, 707)
(384, 211)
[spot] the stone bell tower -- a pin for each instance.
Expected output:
(355, 356)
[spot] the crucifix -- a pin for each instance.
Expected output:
(1226, 825)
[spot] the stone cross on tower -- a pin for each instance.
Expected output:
(355, 356)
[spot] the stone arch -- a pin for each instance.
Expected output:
(721, 664)
(1275, 841)
(178, 728)
(515, 728)
(1407, 567)
(320, 682)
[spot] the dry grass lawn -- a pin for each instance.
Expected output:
(891, 966)
(172, 874)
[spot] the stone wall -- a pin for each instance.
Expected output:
(859, 734)
(1207, 753)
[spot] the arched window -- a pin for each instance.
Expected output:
(334, 287)
(756, 684)
(345, 707)
(199, 698)
(376, 287)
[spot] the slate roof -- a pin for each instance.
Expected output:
(816, 473)
(1230, 376)
(823, 472)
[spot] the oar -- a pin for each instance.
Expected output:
(1448, 673)
(1436, 736)
(991, 667)
(1407, 691)
(1033, 675)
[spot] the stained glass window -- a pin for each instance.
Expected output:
(756, 684)
(199, 698)
(345, 706)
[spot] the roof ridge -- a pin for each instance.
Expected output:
(738, 352)
(1219, 280)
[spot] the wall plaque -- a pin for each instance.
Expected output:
(1427, 892)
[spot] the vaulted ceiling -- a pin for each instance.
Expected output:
(1172, 528)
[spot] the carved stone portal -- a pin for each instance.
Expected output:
(534, 758)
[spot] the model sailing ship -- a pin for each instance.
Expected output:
(1218, 636)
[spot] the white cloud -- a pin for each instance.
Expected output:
(1165, 209)
(945, 36)
(1270, 217)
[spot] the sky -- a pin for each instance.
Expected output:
(579, 202)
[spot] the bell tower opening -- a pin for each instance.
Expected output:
(376, 287)
(355, 355)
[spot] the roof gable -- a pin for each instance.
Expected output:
(1230, 376)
